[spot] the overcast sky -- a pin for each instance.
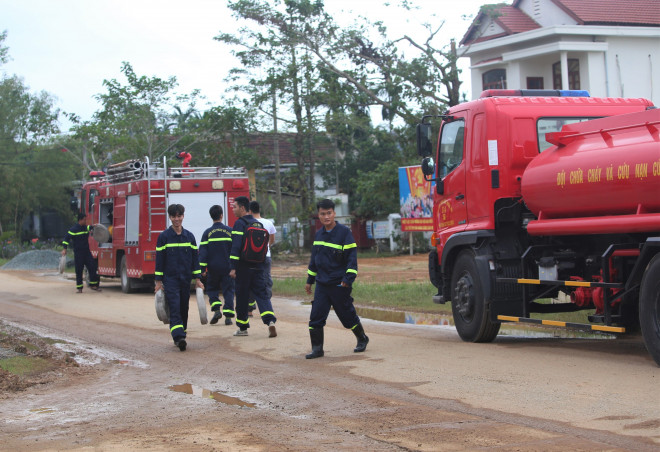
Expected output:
(68, 47)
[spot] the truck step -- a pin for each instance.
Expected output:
(558, 323)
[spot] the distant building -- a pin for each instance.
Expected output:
(610, 48)
(264, 144)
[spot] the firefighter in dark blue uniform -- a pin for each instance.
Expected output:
(214, 252)
(333, 266)
(177, 262)
(78, 237)
(248, 276)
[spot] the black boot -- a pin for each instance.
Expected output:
(362, 338)
(316, 335)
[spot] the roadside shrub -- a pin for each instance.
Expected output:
(10, 247)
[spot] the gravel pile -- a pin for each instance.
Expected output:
(34, 260)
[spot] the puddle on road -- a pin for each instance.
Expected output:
(507, 329)
(208, 394)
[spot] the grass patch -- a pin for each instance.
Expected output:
(25, 365)
(406, 296)
(573, 317)
(403, 296)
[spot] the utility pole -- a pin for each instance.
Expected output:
(276, 158)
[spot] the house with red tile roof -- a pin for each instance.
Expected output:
(610, 48)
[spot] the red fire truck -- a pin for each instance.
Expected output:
(538, 200)
(128, 202)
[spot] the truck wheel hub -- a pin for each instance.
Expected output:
(465, 296)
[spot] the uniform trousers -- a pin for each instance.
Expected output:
(85, 259)
(268, 280)
(216, 280)
(250, 278)
(337, 297)
(177, 294)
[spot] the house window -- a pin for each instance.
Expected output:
(534, 82)
(494, 79)
(573, 74)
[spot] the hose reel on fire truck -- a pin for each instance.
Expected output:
(100, 233)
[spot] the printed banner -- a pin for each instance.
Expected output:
(416, 199)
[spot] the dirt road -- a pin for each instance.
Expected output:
(415, 388)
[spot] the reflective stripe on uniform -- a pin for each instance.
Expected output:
(176, 245)
(175, 327)
(334, 245)
(311, 273)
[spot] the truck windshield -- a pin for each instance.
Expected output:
(547, 125)
(451, 147)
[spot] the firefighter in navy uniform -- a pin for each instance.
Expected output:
(333, 266)
(177, 262)
(248, 276)
(214, 252)
(77, 237)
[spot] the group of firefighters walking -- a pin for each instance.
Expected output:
(332, 266)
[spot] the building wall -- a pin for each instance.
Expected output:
(634, 67)
(629, 67)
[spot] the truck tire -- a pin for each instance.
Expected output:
(649, 308)
(468, 306)
(127, 285)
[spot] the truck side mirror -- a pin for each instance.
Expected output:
(424, 147)
(428, 167)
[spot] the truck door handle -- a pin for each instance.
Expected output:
(460, 196)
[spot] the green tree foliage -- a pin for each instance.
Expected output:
(135, 120)
(373, 193)
(273, 48)
(329, 77)
(221, 136)
(146, 117)
(33, 173)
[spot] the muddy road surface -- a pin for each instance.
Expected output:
(415, 388)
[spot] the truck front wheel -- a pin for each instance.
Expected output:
(127, 285)
(649, 308)
(471, 315)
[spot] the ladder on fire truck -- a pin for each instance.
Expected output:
(155, 195)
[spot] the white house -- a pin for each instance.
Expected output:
(610, 48)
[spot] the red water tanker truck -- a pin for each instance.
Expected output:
(544, 196)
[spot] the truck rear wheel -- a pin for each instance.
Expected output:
(127, 285)
(649, 308)
(468, 306)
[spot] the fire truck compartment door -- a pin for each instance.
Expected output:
(132, 219)
(196, 218)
